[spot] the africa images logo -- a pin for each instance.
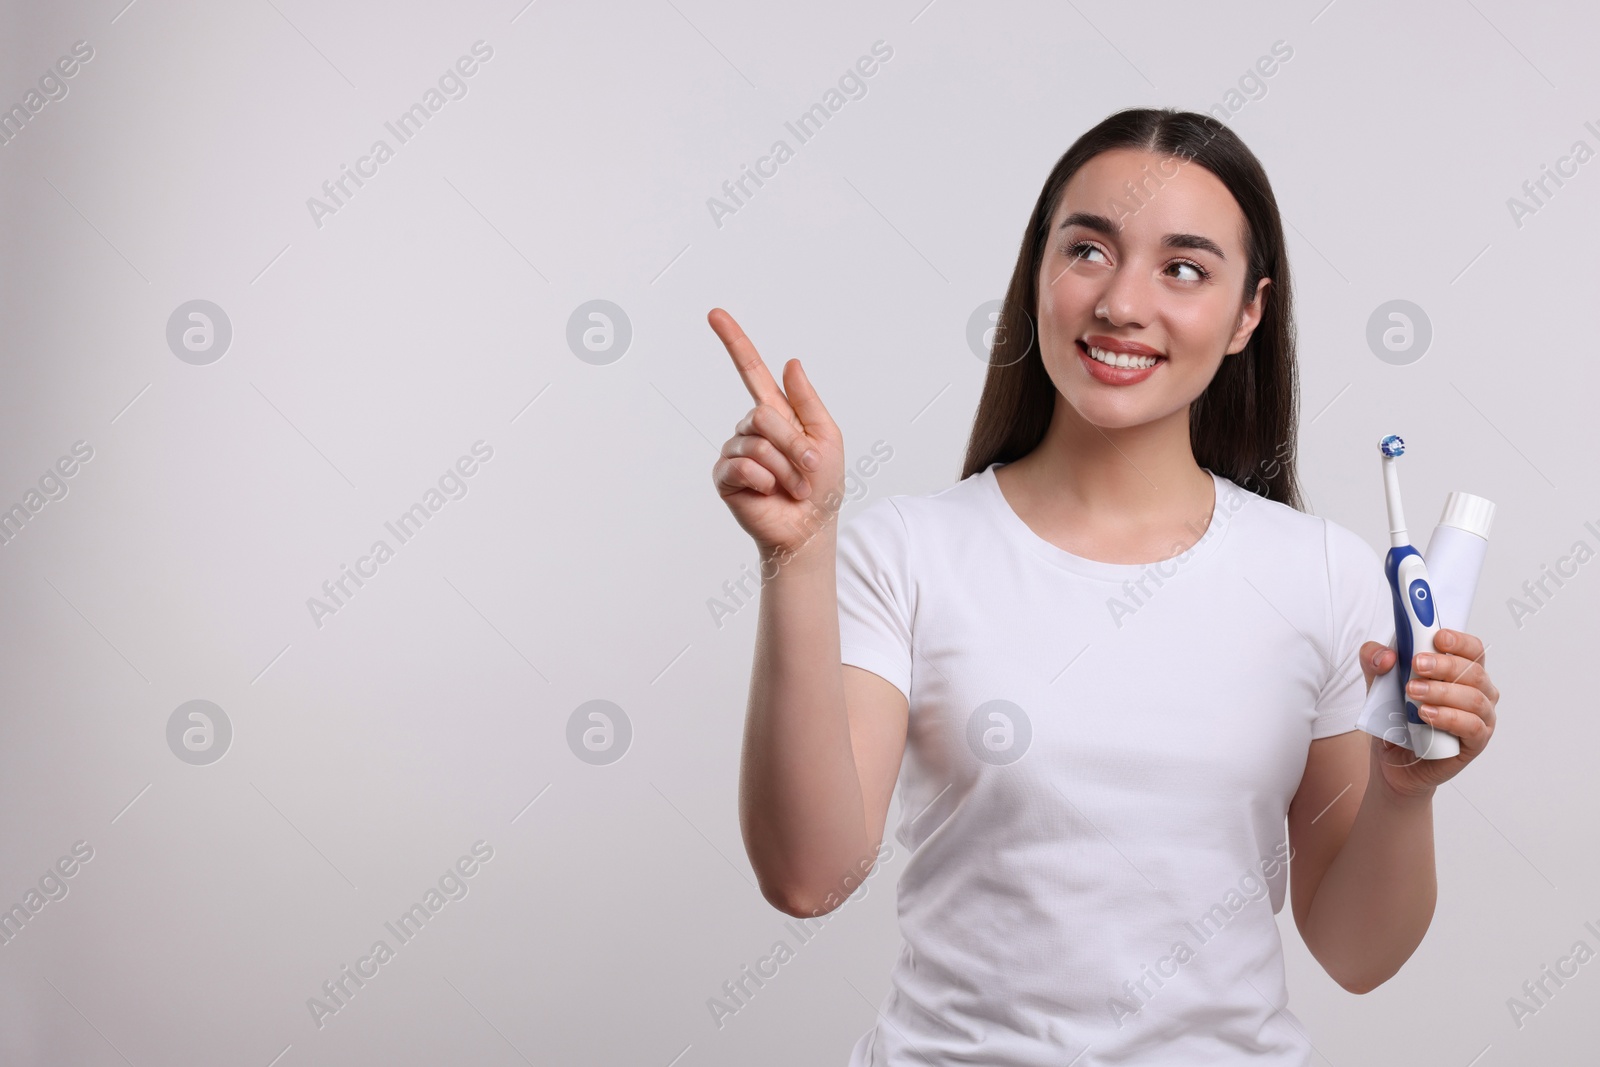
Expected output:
(452, 85)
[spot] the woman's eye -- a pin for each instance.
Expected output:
(1081, 249)
(1201, 274)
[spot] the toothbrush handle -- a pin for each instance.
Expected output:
(1416, 621)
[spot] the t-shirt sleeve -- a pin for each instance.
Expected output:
(1362, 611)
(875, 595)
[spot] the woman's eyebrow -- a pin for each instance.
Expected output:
(1101, 224)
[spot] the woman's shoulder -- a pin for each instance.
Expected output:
(944, 509)
(1278, 516)
(1303, 537)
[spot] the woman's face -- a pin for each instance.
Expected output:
(1160, 273)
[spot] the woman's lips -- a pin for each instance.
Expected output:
(1115, 375)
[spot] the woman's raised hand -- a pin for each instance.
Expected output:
(785, 461)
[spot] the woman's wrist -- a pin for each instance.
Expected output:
(816, 554)
(1386, 794)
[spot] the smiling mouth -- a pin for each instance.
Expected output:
(1118, 359)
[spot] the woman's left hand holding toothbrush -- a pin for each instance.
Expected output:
(1452, 691)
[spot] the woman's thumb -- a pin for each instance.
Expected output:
(1375, 659)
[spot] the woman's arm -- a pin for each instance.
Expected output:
(822, 745)
(1362, 878)
(1363, 882)
(822, 741)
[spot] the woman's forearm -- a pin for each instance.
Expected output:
(800, 798)
(1375, 902)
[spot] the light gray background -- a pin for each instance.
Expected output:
(431, 312)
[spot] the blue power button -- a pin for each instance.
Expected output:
(1422, 601)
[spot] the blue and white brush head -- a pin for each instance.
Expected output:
(1392, 446)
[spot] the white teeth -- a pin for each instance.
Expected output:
(1121, 359)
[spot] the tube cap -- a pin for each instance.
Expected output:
(1466, 512)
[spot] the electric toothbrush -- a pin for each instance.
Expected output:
(1416, 616)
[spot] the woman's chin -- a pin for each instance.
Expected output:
(1118, 412)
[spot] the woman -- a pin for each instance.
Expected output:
(1107, 667)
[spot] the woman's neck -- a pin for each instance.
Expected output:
(1111, 493)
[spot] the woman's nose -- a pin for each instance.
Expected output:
(1125, 300)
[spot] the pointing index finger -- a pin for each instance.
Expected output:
(757, 378)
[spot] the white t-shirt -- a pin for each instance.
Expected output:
(1098, 768)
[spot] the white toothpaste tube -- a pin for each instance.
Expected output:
(1454, 558)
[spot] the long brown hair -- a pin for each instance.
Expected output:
(1243, 426)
